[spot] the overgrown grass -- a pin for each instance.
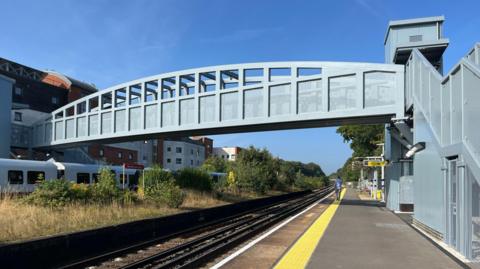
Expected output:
(22, 221)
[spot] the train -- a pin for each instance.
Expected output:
(22, 176)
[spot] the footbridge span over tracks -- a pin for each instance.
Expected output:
(230, 98)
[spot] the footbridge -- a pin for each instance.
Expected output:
(228, 99)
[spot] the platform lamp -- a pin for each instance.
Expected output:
(414, 149)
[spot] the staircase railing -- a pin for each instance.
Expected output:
(450, 104)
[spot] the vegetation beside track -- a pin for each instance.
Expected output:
(60, 206)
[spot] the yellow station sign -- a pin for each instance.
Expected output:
(376, 163)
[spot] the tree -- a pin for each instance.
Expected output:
(363, 138)
(215, 164)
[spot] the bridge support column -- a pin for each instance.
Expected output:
(6, 85)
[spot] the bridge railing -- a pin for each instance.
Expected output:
(228, 96)
(450, 104)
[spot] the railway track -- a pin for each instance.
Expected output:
(196, 247)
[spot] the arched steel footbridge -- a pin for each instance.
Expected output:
(228, 99)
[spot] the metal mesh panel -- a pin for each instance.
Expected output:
(168, 114)
(106, 123)
(151, 116)
(187, 111)
(280, 99)
(456, 108)
(70, 128)
(229, 106)
(342, 92)
(58, 130)
(82, 126)
(471, 110)
(207, 108)
(120, 121)
(135, 118)
(253, 103)
(446, 113)
(310, 94)
(379, 89)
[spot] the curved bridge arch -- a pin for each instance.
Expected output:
(230, 98)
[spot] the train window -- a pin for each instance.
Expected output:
(95, 177)
(83, 178)
(15, 177)
(61, 174)
(132, 180)
(35, 177)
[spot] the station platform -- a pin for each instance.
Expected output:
(357, 233)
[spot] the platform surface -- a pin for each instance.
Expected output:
(364, 234)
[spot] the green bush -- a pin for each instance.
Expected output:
(309, 183)
(52, 193)
(159, 186)
(105, 190)
(195, 179)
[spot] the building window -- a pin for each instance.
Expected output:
(169, 161)
(15, 177)
(191, 151)
(130, 156)
(178, 150)
(178, 161)
(100, 152)
(18, 116)
(191, 162)
(169, 149)
(119, 155)
(55, 100)
(35, 177)
(198, 152)
(18, 91)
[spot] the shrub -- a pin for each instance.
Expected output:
(159, 186)
(105, 190)
(195, 179)
(52, 193)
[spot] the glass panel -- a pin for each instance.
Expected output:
(280, 99)
(379, 89)
(310, 96)
(253, 103)
(187, 111)
(207, 108)
(229, 106)
(342, 92)
(168, 114)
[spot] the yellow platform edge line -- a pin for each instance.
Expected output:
(299, 254)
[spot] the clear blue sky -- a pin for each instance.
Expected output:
(109, 42)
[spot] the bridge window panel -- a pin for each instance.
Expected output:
(70, 128)
(120, 97)
(93, 104)
(229, 106)
(151, 91)
(70, 111)
(135, 92)
(187, 84)
(252, 76)
(308, 71)
(135, 118)
(207, 108)
(107, 100)
(58, 130)
(253, 103)
(342, 94)
(48, 132)
(81, 108)
(276, 74)
(229, 79)
(120, 121)
(81, 126)
(207, 82)
(280, 100)
(168, 88)
(106, 123)
(310, 96)
(168, 114)
(93, 125)
(379, 89)
(151, 116)
(59, 115)
(187, 111)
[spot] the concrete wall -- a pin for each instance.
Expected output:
(428, 179)
(6, 85)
